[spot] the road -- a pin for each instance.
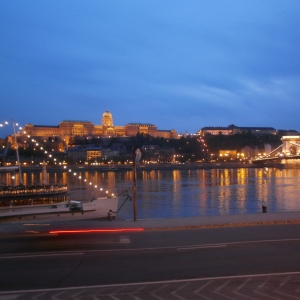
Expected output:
(245, 261)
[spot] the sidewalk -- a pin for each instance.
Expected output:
(208, 221)
(43, 226)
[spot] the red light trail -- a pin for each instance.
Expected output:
(96, 230)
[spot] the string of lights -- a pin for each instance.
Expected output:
(89, 183)
(56, 161)
(3, 124)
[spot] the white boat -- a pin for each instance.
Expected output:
(34, 191)
(100, 208)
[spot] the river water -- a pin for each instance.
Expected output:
(183, 193)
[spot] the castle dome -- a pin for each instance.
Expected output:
(107, 114)
(107, 119)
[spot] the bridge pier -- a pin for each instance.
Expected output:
(295, 162)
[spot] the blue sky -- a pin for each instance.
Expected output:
(180, 65)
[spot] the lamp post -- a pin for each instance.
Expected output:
(17, 151)
(136, 157)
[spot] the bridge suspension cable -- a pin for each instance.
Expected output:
(270, 154)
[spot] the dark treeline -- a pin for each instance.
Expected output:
(239, 141)
(187, 148)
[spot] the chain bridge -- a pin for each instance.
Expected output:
(288, 153)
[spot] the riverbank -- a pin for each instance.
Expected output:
(148, 167)
(257, 219)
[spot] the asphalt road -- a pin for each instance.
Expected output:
(226, 254)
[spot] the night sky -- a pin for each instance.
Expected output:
(179, 65)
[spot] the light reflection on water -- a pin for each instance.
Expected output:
(180, 193)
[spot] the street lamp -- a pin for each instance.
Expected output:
(136, 155)
(17, 151)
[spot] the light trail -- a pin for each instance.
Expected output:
(96, 230)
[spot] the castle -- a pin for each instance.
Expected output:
(68, 129)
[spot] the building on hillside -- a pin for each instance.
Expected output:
(166, 154)
(227, 155)
(154, 153)
(84, 154)
(133, 129)
(63, 132)
(77, 154)
(115, 151)
(93, 154)
(150, 153)
(215, 130)
(290, 132)
(232, 129)
(252, 152)
(249, 152)
(67, 130)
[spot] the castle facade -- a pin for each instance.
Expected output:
(68, 129)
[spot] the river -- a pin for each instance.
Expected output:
(182, 193)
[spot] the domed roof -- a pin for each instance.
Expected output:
(107, 119)
(107, 114)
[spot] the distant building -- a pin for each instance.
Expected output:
(153, 153)
(133, 129)
(290, 132)
(167, 154)
(251, 152)
(232, 129)
(228, 154)
(215, 130)
(67, 130)
(150, 152)
(84, 154)
(77, 154)
(93, 154)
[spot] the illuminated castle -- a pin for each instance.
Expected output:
(68, 129)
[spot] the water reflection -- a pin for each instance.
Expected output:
(180, 193)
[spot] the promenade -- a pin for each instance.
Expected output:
(22, 227)
(209, 221)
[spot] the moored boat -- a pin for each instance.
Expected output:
(22, 191)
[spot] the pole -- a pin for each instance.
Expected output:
(17, 151)
(134, 185)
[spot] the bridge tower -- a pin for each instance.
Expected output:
(291, 144)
